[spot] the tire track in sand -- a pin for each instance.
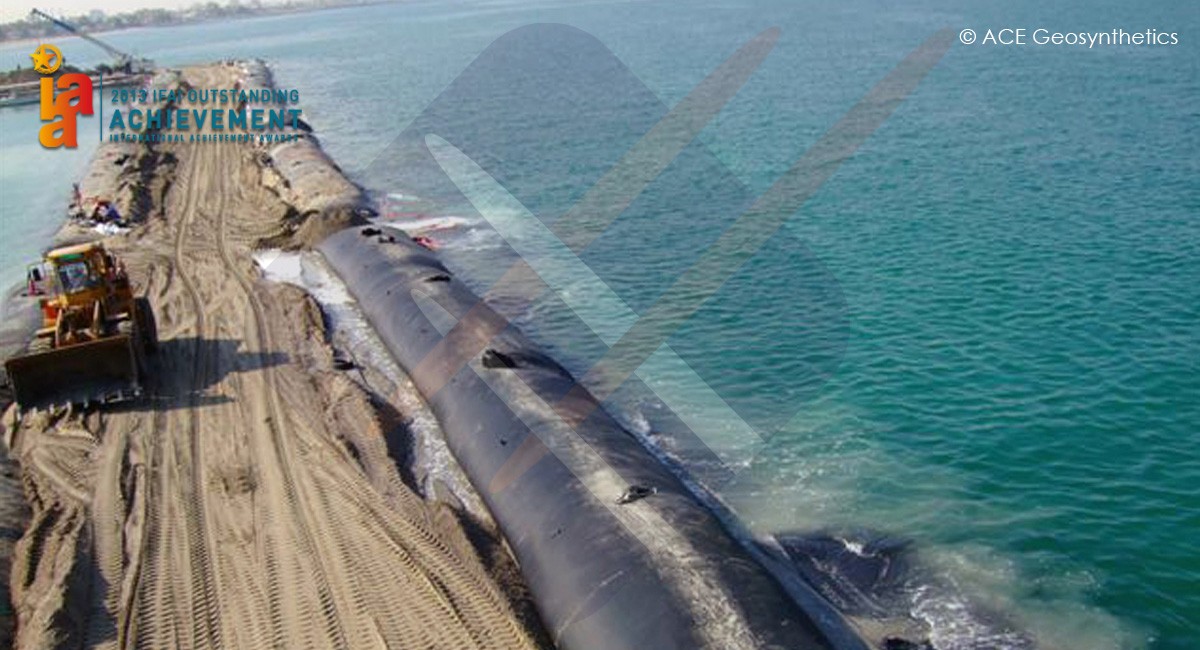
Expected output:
(259, 333)
(197, 577)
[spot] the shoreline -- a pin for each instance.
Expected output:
(183, 23)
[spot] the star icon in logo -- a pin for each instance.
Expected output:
(47, 59)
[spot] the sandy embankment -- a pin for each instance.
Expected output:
(250, 500)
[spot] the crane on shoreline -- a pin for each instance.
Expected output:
(124, 62)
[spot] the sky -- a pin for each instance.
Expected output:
(11, 10)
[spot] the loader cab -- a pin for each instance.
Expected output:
(76, 275)
(79, 273)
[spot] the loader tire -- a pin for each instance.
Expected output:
(147, 324)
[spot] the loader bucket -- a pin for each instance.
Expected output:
(97, 371)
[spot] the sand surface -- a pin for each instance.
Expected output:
(249, 500)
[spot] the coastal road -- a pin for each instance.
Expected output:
(249, 501)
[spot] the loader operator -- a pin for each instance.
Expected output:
(76, 277)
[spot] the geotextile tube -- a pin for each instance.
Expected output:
(658, 571)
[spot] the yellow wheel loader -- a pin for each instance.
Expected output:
(95, 336)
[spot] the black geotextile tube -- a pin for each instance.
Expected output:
(594, 583)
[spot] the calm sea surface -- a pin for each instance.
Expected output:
(1012, 260)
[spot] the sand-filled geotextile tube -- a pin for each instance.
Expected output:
(657, 572)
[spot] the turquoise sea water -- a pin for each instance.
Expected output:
(1018, 249)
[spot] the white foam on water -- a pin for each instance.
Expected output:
(972, 601)
(810, 475)
(634, 420)
(418, 226)
(355, 335)
(475, 239)
(855, 547)
(951, 626)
